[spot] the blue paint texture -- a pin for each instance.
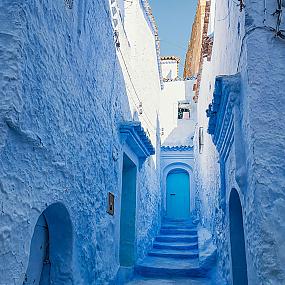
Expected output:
(69, 135)
(63, 99)
(244, 148)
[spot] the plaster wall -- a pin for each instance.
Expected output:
(177, 159)
(177, 133)
(169, 69)
(172, 93)
(64, 97)
(139, 56)
(252, 49)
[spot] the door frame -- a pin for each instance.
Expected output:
(125, 273)
(60, 231)
(192, 191)
(238, 198)
(134, 186)
(167, 190)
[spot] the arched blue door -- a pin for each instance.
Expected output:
(239, 266)
(51, 248)
(178, 194)
(38, 271)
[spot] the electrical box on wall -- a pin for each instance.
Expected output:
(111, 204)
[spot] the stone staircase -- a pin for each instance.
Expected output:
(175, 253)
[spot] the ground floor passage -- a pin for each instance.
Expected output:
(173, 258)
(175, 255)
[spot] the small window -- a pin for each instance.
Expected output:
(183, 111)
(201, 139)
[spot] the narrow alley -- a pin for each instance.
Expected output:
(174, 258)
(142, 142)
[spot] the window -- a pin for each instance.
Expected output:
(201, 139)
(184, 110)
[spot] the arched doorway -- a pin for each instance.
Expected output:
(51, 248)
(178, 194)
(239, 267)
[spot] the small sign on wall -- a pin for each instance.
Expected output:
(111, 204)
(201, 139)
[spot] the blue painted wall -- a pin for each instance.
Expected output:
(63, 100)
(254, 163)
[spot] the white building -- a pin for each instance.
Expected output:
(177, 124)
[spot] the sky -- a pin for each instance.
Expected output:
(174, 19)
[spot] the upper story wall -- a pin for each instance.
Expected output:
(192, 61)
(140, 60)
(170, 66)
(176, 129)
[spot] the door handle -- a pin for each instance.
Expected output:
(172, 194)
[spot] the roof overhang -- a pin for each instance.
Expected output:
(136, 138)
(220, 111)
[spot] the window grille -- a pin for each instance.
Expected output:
(183, 110)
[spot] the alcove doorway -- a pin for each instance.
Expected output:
(128, 213)
(51, 248)
(178, 194)
(38, 271)
(238, 254)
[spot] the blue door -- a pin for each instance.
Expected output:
(178, 194)
(38, 271)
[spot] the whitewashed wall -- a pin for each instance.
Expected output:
(139, 57)
(169, 69)
(243, 43)
(173, 92)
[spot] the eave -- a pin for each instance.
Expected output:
(135, 137)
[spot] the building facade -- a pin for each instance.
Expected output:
(101, 140)
(240, 165)
(77, 130)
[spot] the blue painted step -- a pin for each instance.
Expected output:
(177, 238)
(177, 221)
(191, 254)
(175, 245)
(175, 253)
(181, 227)
(163, 267)
(177, 231)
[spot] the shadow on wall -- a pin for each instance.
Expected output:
(239, 266)
(51, 248)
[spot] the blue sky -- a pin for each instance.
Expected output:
(174, 19)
